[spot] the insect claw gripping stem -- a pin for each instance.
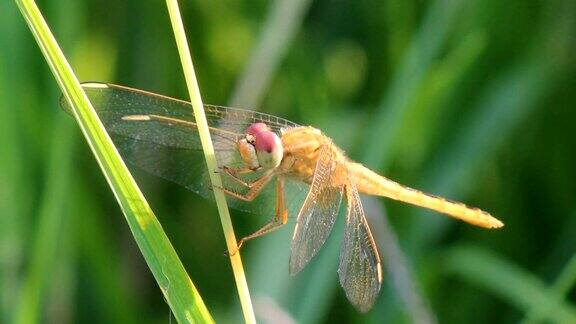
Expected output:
(229, 254)
(212, 187)
(220, 169)
(227, 169)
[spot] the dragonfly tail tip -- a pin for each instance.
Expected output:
(495, 223)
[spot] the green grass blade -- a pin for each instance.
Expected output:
(515, 285)
(178, 289)
(48, 257)
(208, 149)
(104, 268)
(15, 180)
(387, 122)
(52, 215)
(558, 291)
(429, 106)
(282, 22)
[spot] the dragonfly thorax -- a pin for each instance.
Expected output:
(261, 148)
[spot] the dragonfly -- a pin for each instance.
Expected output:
(269, 166)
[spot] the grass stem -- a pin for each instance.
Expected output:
(208, 149)
(174, 282)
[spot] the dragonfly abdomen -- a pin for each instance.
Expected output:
(371, 183)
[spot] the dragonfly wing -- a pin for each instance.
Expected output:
(317, 215)
(360, 269)
(168, 144)
(116, 104)
(110, 98)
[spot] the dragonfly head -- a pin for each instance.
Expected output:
(261, 147)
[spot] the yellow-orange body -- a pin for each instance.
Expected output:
(270, 149)
(302, 146)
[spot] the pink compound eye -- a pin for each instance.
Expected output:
(257, 128)
(269, 149)
(267, 141)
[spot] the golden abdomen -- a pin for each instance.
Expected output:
(302, 145)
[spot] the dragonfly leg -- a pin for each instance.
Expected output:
(236, 171)
(233, 174)
(255, 187)
(279, 219)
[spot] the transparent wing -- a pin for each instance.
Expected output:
(168, 145)
(360, 270)
(129, 101)
(318, 213)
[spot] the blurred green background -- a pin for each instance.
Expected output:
(473, 100)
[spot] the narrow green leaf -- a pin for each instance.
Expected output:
(16, 183)
(104, 266)
(52, 214)
(209, 155)
(386, 123)
(160, 256)
(283, 21)
(565, 281)
(515, 285)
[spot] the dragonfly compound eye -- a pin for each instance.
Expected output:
(256, 128)
(269, 149)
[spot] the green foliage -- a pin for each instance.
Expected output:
(171, 276)
(472, 100)
(500, 277)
